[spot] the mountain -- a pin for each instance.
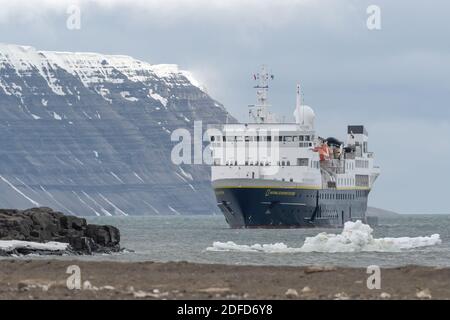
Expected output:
(381, 213)
(89, 134)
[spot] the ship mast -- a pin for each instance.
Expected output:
(259, 113)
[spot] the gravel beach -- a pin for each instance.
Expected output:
(47, 279)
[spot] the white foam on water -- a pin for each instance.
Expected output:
(355, 237)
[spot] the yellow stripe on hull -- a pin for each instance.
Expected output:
(289, 187)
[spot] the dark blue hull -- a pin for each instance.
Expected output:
(263, 207)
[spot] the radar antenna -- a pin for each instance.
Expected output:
(259, 113)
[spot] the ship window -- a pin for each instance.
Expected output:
(302, 162)
(247, 138)
(288, 163)
(269, 138)
(282, 163)
(246, 163)
(280, 138)
(307, 138)
(291, 180)
(301, 138)
(287, 138)
(213, 138)
(294, 138)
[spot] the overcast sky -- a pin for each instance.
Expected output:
(396, 80)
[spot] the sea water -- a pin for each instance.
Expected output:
(396, 241)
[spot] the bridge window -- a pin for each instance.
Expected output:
(302, 162)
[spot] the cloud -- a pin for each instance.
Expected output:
(269, 13)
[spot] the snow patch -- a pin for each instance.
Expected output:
(150, 205)
(115, 176)
(56, 116)
(113, 205)
(192, 80)
(186, 174)
(35, 203)
(137, 176)
(173, 210)
(126, 96)
(157, 97)
(11, 245)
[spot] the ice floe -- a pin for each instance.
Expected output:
(11, 245)
(355, 237)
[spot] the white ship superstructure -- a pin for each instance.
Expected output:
(271, 174)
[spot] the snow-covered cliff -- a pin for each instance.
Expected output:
(89, 134)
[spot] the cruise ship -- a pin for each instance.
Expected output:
(272, 174)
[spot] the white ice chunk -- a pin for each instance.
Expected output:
(356, 237)
(10, 245)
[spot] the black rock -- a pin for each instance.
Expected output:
(44, 224)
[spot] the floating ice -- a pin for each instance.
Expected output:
(356, 237)
(11, 245)
(268, 248)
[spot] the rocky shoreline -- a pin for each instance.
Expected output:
(42, 231)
